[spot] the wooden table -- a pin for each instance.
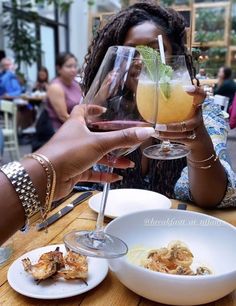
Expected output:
(210, 82)
(110, 292)
(35, 100)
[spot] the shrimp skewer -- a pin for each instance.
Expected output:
(48, 264)
(76, 266)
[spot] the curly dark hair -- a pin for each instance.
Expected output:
(115, 31)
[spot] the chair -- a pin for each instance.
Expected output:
(223, 102)
(9, 128)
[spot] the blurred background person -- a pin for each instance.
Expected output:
(226, 85)
(63, 92)
(42, 80)
(1, 145)
(79, 76)
(2, 54)
(202, 74)
(232, 114)
(9, 83)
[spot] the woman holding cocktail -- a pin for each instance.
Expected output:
(208, 179)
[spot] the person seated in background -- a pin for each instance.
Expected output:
(202, 74)
(42, 80)
(2, 54)
(1, 144)
(226, 85)
(79, 76)
(63, 92)
(232, 114)
(9, 83)
(21, 78)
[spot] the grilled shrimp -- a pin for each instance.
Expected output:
(48, 264)
(76, 266)
(40, 270)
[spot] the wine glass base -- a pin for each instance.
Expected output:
(174, 151)
(5, 253)
(81, 242)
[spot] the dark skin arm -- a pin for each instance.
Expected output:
(207, 186)
(72, 151)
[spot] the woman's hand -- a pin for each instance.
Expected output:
(189, 132)
(74, 149)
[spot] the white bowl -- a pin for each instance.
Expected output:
(212, 242)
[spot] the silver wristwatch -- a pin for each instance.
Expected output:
(23, 186)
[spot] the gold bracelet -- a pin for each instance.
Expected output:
(201, 161)
(197, 164)
(51, 181)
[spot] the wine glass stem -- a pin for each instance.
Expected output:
(165, 145)
(98, 233)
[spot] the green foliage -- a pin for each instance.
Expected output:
(167, 2)
(91, 2)
(196, 52)
(216, 59)
(233, 31)
(147, 55)
(20, 34)
(210, 24)
(176, 2)
(125, 3)
(164, 71)
(18, 26)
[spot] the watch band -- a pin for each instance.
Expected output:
(23, 186)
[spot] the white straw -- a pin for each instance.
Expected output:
(161, 48)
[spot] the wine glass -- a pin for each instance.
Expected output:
(127, 89)
(174, 105)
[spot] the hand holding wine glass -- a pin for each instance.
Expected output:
(126, 90)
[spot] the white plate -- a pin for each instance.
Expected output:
(24, 283)
(124, 201)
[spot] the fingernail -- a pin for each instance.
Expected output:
(144, 133)
(131, 164)
(189, 88)
(120, 177)
(161, 127)
(104, 109)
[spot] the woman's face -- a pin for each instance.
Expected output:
(42, 76)
(143, 34)
(69, 69)
(221, 74)
(146, 34)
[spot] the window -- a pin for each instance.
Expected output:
(51, 29)
(210, 24)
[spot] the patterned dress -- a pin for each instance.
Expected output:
(217, 128)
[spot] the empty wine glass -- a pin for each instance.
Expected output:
(126, 87)
(174, 105)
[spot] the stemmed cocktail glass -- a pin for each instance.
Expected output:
(175, 105)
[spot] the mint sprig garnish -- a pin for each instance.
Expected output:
(148, 54)
(165, 71)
